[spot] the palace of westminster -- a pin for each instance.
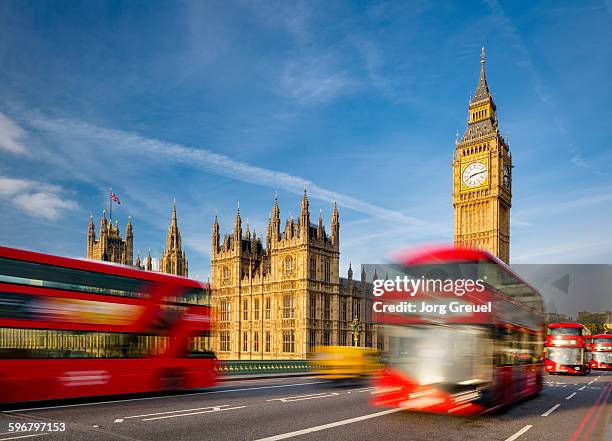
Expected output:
(280, 297)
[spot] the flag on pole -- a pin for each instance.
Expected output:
(115, 198)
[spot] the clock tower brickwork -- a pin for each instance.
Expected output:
(482, 178)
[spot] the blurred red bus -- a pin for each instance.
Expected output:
(601, 349)
(73, 328)
(482, 353)
(567, 350)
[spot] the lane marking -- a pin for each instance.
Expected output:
(305, 397)
(24, 436)
(97, 403)
(519, 433)
(582, 388)
(330, 425)
(218, 409)
(569, 397)
(364, 389)
(169, 412)
(587, 417)
(551, 410)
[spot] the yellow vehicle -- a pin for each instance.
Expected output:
(344, 362)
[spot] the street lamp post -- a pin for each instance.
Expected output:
(356, 327)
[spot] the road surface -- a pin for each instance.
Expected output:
(308, 408)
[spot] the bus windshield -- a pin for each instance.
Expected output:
(603, 340)
(570, 356)
(603, 357)
(440, 354)
(565, 331)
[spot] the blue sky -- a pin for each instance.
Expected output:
(219, 102)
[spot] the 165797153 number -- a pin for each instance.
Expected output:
(37, 427)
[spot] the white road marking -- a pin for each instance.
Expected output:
(30, 409)
(364, 389)
(519, 433)
(551, 410)
(215, 409)
(330, 425)
(569, 397)
(24, 436)
(582, 388)
(305, 397)
(171, 411)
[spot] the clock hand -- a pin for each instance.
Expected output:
(477, 173)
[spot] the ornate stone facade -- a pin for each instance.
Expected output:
(110, 246)
(279, 299)
(482, 178)
(174, 260)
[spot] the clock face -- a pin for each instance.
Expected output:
(506, 175)
(474, 174)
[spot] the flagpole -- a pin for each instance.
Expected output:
(110, 204)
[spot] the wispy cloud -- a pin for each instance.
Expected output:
(314, 80)
(11, 136)
(526, 216)
(38, 199)
(525, 60)
(204, 159)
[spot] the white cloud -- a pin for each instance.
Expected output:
(313, 80)
(131, 144)
(11, 136)
(38, 199)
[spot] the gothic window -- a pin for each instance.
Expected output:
(312, 313)
(256, 309)
(327, 270)
(356, 309)
(326, 306)
(343, 309)
(289, 306)
(268, 311)
(313, 268)
(288, 264)
(267, 346)
(326, 338)
(225, 310)
(256, 342)
(224, 339)
(312, 340)
(245, 310)
(226, 273)
(288, 341)
(245, 341)
(342, 338)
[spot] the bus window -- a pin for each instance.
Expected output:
(46, 276)
(51, 343)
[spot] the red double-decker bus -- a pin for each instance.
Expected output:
(601, 349)
(73, 328)
(567, 349)
(457, 350)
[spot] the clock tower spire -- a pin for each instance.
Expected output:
(482, 180)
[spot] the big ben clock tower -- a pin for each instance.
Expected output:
(482, 178)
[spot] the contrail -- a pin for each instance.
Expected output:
(212, 162)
